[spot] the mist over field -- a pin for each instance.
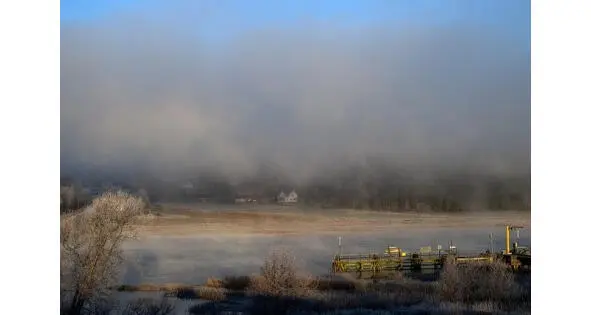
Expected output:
(164, 93)
(193, 259)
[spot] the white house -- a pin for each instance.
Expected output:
(292, 197)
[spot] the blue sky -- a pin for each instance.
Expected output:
(511, 17)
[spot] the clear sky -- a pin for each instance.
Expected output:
(225, 17)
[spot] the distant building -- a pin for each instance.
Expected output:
(246, 194)
(281, 197)
(188, 186)
(244, 200)
(290, 198)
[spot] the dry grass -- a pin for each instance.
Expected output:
(214, 283)
(473, 289)
(148, 307)
(212, 294)
(482, 288)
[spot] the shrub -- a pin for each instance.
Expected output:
(280, 277)
(478, 282)
(214, 283)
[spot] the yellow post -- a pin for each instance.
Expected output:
(507, 239)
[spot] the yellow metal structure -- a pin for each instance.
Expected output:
(393, 258)
(507, 239)
(508, 230)
(396, 251)
(518, 257)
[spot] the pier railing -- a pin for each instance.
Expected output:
(414, 261)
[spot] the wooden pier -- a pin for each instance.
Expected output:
(518, 258)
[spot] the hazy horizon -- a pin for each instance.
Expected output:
(226, 86)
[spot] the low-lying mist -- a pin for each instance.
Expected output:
(306, 100)
(194, 259)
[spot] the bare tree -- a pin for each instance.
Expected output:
(91, 247)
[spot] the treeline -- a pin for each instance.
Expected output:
(357, 188)
(452, 198)
(73, 195)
